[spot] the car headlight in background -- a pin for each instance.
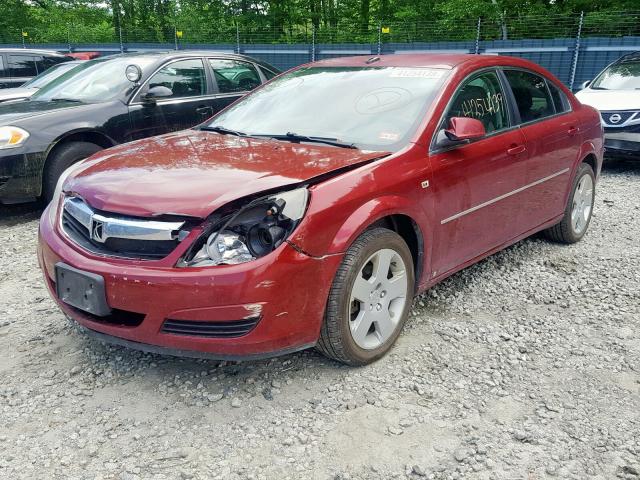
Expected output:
(253, 231)
(11, 137)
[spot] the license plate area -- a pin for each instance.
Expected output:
(82, 290)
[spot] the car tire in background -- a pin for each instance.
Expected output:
(579, 209)
(369, 300)
(62, 158)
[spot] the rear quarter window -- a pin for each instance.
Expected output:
(560, 100)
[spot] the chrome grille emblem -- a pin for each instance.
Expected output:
(615, 118)
(97, 230)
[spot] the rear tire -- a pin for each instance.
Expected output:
(61, 159)
(579, 209)
(369, 300)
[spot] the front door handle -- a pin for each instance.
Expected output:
(516, 149)
(572, 131)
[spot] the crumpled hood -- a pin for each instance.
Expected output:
(608, 100)
(194, 172)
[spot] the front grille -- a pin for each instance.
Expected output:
(235, 328)
(619, 118)
(79, 219)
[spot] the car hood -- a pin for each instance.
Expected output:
(12, 112)
(608, 100)
(13, 93)
(194, 172)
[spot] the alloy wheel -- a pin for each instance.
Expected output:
(582, 204)
(378, 298)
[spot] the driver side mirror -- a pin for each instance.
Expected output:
(159, 91)
(461, 130)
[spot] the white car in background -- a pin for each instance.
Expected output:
(615, 92)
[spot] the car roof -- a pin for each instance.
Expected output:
(629, 57)
(32, 50)
(433, 60)
(166, 54)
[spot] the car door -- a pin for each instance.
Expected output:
(476, 184)
(184, 101)
(232, 79)
(551, 137)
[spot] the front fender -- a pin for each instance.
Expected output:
(368, 214)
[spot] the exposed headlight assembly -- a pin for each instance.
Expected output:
(11, 137)
(253, 231)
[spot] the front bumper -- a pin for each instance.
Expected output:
(20, 174)
(624, 144)
(287, 289)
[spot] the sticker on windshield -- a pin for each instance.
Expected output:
(390, 136)
(416, 73)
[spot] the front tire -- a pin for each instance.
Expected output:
(61, 159)
(369, 300)
(579, 209)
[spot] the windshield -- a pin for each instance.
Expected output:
(373, 108)
(49, 75)
(93, 81)
(621, 76)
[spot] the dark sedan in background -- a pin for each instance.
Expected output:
(113, 100)
(26, 90)
(19, 65)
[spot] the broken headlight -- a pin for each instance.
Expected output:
(253, 231)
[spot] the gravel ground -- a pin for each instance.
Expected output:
(525, 366)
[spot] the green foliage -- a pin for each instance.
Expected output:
(277, 21)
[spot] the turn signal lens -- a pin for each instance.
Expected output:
(12, 137)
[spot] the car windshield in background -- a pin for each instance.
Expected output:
(372, 108)
(50, 75)
(621, 76)
(93, 81)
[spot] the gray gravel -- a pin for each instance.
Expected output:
(525, 366)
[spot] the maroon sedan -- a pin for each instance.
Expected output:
(310, 212)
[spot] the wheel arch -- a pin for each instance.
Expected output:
(78, 135)
(392, 212)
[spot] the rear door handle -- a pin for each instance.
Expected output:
(516, 149)
(572, 131)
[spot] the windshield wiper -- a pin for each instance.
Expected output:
(223, 131)
(599, 88)
(60, 99)
(294, 137)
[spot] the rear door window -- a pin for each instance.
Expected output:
(233, 76)
(532, 95)
(22, 65)
(481, 97)
(185, 78)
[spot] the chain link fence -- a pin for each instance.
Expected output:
(574, 47)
